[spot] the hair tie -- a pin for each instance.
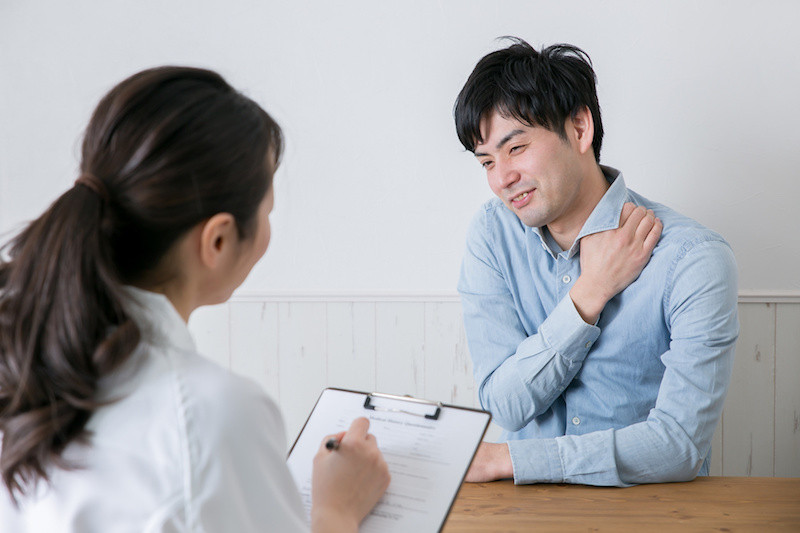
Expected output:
(94, 183)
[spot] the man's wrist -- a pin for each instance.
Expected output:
(588, 301)
(504, 467)
(500, 465)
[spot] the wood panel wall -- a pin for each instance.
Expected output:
(296, 347)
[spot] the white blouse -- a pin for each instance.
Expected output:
(186, 446)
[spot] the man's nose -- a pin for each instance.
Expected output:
(506, 174)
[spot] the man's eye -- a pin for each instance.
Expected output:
(517, 148)
(486, 164)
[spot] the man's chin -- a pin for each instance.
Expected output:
(531, 221)
(533, 218)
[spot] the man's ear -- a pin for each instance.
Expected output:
(217, 236)
(580, 128)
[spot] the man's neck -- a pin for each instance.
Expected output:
(566, 228)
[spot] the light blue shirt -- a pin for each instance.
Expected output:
(632, 399)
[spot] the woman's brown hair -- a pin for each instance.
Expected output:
(166, 149)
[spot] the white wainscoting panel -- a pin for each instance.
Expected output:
(294, 346)
(254, 343)
(448, 367)
(748, 431)
(351, 345)
(787, 391)
(302, 365)
(400, 348)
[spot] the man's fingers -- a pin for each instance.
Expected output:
(627, 209)
(645, 225)
(632, 223)
(652, 238)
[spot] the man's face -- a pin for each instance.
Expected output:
(534, 171)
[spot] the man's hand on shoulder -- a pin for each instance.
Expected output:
(492, 462)
(611, 260)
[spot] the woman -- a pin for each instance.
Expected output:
(110, 420)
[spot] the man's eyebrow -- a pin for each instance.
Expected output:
(503, 141)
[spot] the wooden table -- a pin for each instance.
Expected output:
(705, 504)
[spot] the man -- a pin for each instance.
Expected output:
(601, 325)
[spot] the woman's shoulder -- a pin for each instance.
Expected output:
(235, 444)
(215, 400)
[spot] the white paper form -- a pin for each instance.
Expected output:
(427, 458)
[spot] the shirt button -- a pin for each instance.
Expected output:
(589, 344)
(576, 420)
(566, 279)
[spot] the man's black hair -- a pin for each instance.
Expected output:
(538, 88)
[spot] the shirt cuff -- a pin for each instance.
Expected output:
(565, 331)
(535, 461)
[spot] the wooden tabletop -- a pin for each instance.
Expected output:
(705, 504)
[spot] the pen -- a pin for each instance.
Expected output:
(332, 444)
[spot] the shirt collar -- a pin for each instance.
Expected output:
(158, 320)
(606, 213)
(604, 216)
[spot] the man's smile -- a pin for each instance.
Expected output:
(522, 199)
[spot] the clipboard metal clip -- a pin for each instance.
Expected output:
(368, 404)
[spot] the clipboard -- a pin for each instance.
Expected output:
(427, 445)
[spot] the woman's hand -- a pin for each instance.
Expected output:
(347, 482)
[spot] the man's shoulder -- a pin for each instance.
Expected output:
(680, 231)
(688, 251)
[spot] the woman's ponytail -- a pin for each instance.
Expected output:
(62, 327)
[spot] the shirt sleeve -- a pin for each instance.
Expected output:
(519, 375)
(672, 443)
(240, 481)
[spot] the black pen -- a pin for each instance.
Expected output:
(332, 444)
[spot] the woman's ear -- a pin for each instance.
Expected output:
(217, 238)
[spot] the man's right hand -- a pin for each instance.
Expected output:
(611, 260)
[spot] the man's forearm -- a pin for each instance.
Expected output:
(524, 385)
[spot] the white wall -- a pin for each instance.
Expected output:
(699, 100)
